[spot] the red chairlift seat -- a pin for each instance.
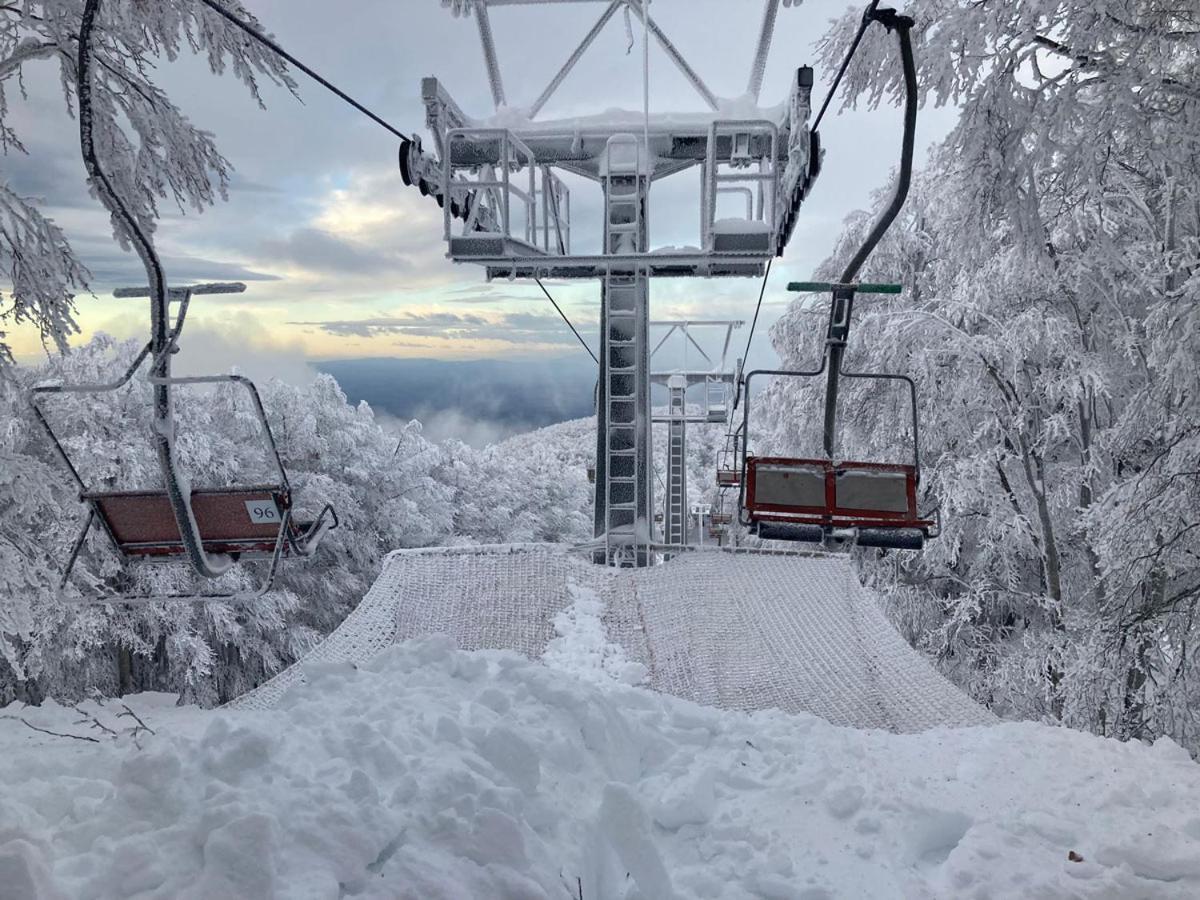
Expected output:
(806, 499)
(728, 477)
(241, 522)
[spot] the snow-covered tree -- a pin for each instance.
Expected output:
(149, 149)
(1050, 317)
(529, 488)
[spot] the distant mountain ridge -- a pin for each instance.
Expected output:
(483, 398)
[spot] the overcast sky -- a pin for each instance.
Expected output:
(342, 260)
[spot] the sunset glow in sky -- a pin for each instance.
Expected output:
(342, 260)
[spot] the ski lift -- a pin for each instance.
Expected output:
(213, 528)
(834, 501)
(827, 500)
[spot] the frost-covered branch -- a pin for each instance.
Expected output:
(38, 728)
(154, 151)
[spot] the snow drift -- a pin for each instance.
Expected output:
(430, 772)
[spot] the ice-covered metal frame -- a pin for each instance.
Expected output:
(480, 9)
(866, 524)
(772, 164)
(753, 173)
(541, 197)
(289, 538)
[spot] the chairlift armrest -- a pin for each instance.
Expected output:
(825, 287)
(306, 544)
(936, 515)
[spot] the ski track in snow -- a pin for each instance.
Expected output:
(430, 772)
(581, 646)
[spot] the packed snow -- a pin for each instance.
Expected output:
(431, 772)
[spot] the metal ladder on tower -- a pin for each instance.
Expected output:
(626, 485)
(675, 519)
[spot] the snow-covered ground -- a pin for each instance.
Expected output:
(435, 773)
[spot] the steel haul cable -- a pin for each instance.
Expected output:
(279, 51)
(582, 342)
(762, 290)
(837, 79)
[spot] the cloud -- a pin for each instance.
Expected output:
(316, 250)
(453, 424)
(49, 174)
(516, 328)
(242, 342)
(408, 323)
(110, 267)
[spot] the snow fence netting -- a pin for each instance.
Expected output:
(735, 630)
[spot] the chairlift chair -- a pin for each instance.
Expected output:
(213, 529)
(828, 500)
(232, 523)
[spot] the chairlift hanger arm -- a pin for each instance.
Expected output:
(842, 305)
(163, 335)
(902, 25)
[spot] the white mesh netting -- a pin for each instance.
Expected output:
(734, 630)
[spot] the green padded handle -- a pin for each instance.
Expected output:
(825, 286)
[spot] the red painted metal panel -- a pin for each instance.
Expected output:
(143, 524)
(831, 515)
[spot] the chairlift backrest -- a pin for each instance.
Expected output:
(842, 494)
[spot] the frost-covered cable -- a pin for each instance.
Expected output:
(582, 342)
(279, 51)
(646, 78)
(762, 290)
(837, 79)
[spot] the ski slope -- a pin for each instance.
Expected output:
(733, 630)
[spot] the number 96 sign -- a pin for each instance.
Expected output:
(262, 512)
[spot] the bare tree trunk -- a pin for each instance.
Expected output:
(124, 670)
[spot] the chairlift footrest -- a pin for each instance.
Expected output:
(825, 287)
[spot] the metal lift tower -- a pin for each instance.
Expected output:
(717, 380)
(507, 209)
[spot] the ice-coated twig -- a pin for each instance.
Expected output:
(91, 720)
(28, 724)
(130, 714)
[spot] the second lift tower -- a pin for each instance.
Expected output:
(507, 209)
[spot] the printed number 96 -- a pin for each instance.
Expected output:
(262, 511)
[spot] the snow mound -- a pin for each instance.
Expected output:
(430, 772)
(732, 630)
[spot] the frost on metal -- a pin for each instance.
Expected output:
(737, 631)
